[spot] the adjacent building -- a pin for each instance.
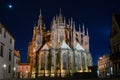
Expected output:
(24, 70)
(105, 66)
(7, 43)
(60, 51)
(115, 43)
(16, 62)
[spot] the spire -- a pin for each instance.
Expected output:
(40, 17)
(60, 12)
(60, 17)
(74, 35)
(40, 13)
(40, 20)
(71, 23)
(83, 30)
(53, 20)
(74, 26)
(44, 27)
(79, 29)
(79, 34)
(87, 32)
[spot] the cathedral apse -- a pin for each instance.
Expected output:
(60, 51)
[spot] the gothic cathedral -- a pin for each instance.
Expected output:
(60, 51)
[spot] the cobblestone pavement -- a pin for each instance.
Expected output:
(65, 79)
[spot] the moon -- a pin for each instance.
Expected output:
(10, 6)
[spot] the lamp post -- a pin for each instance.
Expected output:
(4, 66)
(26, 74)
(14, 75)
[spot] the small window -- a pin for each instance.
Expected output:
(1, 50)
(4, 34)
(10, 41)
(10, 55)
(9, 69)
(16, 61)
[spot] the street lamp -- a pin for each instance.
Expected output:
(26, 74)
(4, 66)
(26, 71)
(14, 75)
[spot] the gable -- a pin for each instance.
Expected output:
(79, 47)
(64, 45)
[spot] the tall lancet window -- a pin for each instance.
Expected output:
(70, 61)
(58, 61)
(64, 61)
(42, 61)
(46, 60)
(83, 61)
(78, 61)
(49, 60)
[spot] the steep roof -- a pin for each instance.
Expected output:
(3, 26)
(79, 47)
(117, 18)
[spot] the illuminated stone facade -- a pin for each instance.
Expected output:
(105, 66)
(16, 62)
(7, 43)
(115, 44)
(24, 70)
(61, 51)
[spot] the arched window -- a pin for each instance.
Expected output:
(64, 61)
(46, 61)
(57, 61)
(78, 61)
(42, 61)
(49, 61)
(83, 61)
(70, 61)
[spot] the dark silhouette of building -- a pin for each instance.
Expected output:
(115, 44)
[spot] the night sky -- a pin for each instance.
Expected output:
(20, 16)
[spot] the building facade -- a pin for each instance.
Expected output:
(115, 43)
(7, 43)
(24, 70)
(105, 66)
(60, 51)
(16, 62)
